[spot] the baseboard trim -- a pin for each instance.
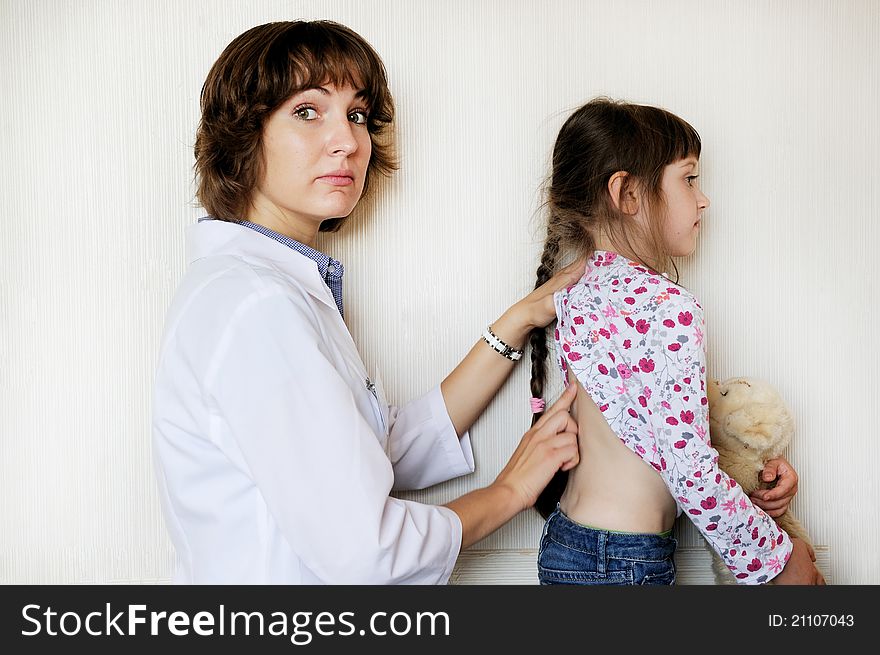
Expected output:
(474, 567)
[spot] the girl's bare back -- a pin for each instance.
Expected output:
(612, 488)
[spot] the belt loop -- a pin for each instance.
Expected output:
(600, 550)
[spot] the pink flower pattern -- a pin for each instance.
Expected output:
(648, 379)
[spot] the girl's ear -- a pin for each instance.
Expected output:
(623, 193)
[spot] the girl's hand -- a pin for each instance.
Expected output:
(536, 309)
(776, 500)
(800, 569)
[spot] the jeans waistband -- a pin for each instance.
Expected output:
(625, 545)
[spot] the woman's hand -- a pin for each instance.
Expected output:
(549, 445)
(776, 500)
(536, 309)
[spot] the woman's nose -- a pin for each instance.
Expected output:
(342, 140)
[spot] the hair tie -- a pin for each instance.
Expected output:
(537, 405)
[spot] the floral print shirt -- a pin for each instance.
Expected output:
(634, 340)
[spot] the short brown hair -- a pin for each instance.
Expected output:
(254, 75)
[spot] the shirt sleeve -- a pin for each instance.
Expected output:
(424, 447)
(652, 393)
(752, 546)
(316, 461)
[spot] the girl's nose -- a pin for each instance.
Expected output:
(703, 200)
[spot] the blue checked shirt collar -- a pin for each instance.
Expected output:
(330, 269)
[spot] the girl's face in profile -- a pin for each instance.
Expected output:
(684, 206)
(316, 149)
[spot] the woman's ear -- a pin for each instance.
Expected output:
(623, 193)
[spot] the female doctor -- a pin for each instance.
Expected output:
(275, 450)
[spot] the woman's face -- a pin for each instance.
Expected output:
(316, 149)
(684, 206)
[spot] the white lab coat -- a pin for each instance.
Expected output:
(272, 457)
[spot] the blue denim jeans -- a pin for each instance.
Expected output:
(572, 553)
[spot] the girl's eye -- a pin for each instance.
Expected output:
(690, 179)
(358, 117)
(305, 113)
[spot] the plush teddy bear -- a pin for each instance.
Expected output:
(749, 424)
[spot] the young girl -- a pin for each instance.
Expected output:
(624, 192)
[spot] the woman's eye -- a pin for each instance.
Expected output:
(358, 117)
(305, 113)
(690, 179)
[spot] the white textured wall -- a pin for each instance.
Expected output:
(100, 102)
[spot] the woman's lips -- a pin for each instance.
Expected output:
(338, 178)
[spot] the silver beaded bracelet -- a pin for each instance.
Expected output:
(500, 347)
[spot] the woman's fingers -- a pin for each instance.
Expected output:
(560, 430)
(562, 404)
(564, 277)
(571, 273)
(572, 455)
(539, 303)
